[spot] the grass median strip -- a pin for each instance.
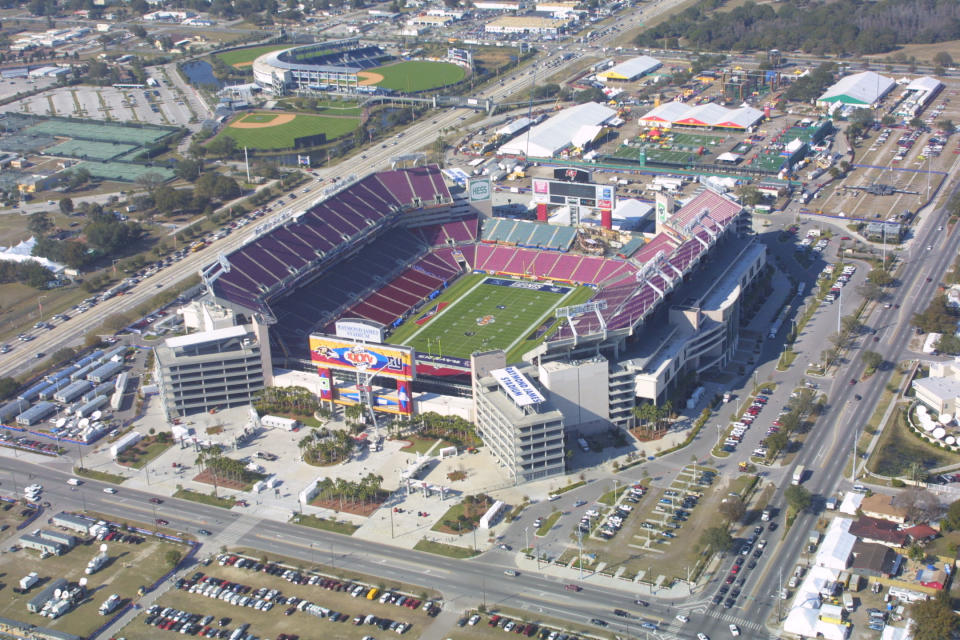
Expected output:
(102, 476)
(205, 498)
(325, 524)
(441, 549)
(548, 523)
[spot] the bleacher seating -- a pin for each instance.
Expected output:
(524, 233)
(631, 247)
(325, 228)
(449, 233)
(661, 243)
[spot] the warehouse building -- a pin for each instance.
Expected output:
(630, 70)
(919, 94)
(527, 24)
(573, 127)
(864, 89)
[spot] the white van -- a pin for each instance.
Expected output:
(73, 482)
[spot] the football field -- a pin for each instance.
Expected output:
(483, 312)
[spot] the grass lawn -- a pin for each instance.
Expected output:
(325, 524)
(130, 567)
(549, 523)
(269, 624)
(442, 549)
(243, 57)
(480, 315)
(610, 497)
(472, 512)
(139, 455)
(569, 487)
(898, 448)
(419, 75)
(282, 136)
(205, 498)
(102, 476)
(422, 445)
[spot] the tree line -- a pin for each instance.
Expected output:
(854, 27)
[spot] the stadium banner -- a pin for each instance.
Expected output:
(517, 386)
(326, 383)
(541, 191)
(349, 355)
(532, 286)
(403, 397)
(358, 329)
(448, 361)
(480, 190)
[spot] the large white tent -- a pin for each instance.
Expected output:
(703, 115)
(630, 69)
(862, 89)
(573, 126)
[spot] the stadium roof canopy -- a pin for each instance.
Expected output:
(631, 69)
(560, 131)
(704, 115)
(860, 89)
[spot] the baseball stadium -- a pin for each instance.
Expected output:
(404, 252)
(346, 66)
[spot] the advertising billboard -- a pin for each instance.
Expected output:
(517, 386)
(541, 191)
(480, 189)
(359, 329)
(349, 355)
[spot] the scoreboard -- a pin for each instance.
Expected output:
(573, 194)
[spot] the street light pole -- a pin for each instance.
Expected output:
(580, 545)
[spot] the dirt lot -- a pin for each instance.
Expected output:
(274, 622)
(130, 567)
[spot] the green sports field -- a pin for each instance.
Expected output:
(281, 136)
(480, 316)
(419, 75)
(244, 57)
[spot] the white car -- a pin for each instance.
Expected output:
(734, 630)
(702, 636)
(474, 619)
(682, 618)
(109, 490)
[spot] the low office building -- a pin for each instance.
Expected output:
(524, 432)
(72, 522)
(35, 604)
(211, 370)
(940, 391)
(65, 539)
(875, 560)
(42, 545)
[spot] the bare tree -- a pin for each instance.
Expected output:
(920, 504)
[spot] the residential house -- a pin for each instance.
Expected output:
(879, 531)
(881, 506)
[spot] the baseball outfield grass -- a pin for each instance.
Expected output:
(282, 136)
(418, 75)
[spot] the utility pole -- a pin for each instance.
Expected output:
(779, 593)
(580, 546)
(246, 161)
(853, 465)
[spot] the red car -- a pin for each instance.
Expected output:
(777, 423)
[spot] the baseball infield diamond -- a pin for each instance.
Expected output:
(263, 120)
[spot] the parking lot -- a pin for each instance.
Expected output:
(273, 600)
(152, 105)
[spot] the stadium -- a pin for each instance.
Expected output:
(444, 297)
(327, 66)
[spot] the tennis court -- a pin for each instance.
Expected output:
(123, 171)
(100, 132)
(89, 150)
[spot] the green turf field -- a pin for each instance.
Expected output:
(419, 75)
(473, 320)
(282, 136)
(244, 57)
